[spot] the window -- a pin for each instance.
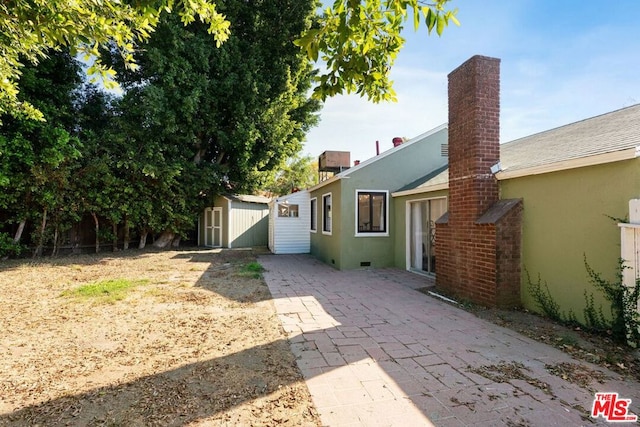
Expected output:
(371, 214)
(314, 217)
(287, 210)
(326, 213)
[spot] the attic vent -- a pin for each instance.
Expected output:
(444, 150)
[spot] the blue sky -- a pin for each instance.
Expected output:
(562, 61)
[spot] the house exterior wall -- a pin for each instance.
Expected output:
(400, 225)
(290, 235)
(565, 219)
(344, 248)
(327, 247)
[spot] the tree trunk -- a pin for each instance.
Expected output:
(97, 223)
(176, 242)
(38, 251)
(126, 236)
(19, 231)
(114, 228)
(143, 238)
(55, 242)
(164, 240)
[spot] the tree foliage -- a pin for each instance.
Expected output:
(208, 120)
(193, 121)
(298, 173)
(30, 28)
(358, 40)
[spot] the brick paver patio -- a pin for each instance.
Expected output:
(376, 352)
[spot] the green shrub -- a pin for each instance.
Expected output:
(9, 248)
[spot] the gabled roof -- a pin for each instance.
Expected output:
(379, 157)
(612, 132)
(606, 138)
(438, 175)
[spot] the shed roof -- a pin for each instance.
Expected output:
(247, 198)
(601, 139)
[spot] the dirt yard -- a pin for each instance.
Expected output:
(195, 341)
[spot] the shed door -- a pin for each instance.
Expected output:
(213, 227)
(217, 227)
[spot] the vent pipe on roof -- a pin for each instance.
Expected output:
(377, 148)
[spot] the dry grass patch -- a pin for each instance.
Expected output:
(142, 339)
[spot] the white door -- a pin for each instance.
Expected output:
(213, 227)
(217, 227)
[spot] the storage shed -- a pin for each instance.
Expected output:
(290, 223)
(235, 221)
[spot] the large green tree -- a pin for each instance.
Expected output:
(358, 40)
(37, 157)
(217, 118)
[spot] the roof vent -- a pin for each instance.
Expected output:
(397, 141)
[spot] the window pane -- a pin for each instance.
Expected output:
(364, 214)
(313, 215)
(372, 212)
(326, 217)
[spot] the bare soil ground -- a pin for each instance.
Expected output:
(597, 349)
(196, 343)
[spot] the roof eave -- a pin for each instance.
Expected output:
(598, 159)
(420, 190)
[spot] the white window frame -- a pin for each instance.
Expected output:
(324, 231)
(313, 209)
(385, 233)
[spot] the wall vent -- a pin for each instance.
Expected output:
(365, 264)
(444, 150)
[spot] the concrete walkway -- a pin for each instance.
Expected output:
(376, 352)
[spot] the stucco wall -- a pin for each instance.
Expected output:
(327, 247)
(564, 219)
(390, 172)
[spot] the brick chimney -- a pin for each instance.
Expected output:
(478, 240)
(474, 137)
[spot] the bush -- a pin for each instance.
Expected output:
(9, 248)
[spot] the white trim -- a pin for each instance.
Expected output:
(313, 214)
(330, 232)
(386, 226)
(213, 226)
(380, 156)
(229, 226)
(598, 159)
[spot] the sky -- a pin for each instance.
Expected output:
(562, 61)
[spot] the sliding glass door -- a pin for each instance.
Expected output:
(422, 232)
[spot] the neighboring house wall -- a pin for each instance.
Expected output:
(346, 247)
(566, 218)
(290, 234)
